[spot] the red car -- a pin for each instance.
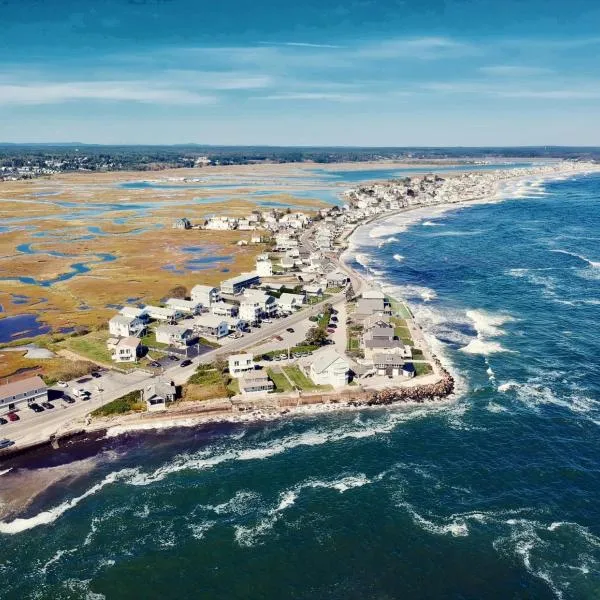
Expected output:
(12, 416)
(331, 330)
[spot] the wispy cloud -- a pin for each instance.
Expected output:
(301, 44)
(119, 91)
(575, 92)
(424, 48)
(514, 71)
(315, 96)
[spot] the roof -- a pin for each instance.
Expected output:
(208, 320)
(240, 278)
(253, 379)
(173, 329)
(287, 297)
(388, 359)
(325, 358)
(377, 320)
(256, 296)
(182, 302)
(336, 275)
(313, 288)
(203, 288)
(381, 332)
(383, 343)
(22, 386)
(133, 311)
(242, 356)
(129, 342)
(409, 367)
(369, 306)
(371, 294)
(122, 319)
(159, 388)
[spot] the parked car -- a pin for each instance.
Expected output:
(67, 399)
(155, 364)
(329, 330)
(36, 407)
(5, 443)
(333, 325)
(96, 374)
(3, 421)
(62, 384)
(334, 318)
(13, 416)
(290, 330)
(82, 394)
(47, 405)
(185, 363)
(173, 357)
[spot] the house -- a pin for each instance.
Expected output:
(160, 313)
(236, 285)
(221, 224)
(182, 224)
(408, 370)
(211, 326)
(377, 321)
(264, 266)
(22, 391)
(124, 349)
(134, 311)
(207, 295)
(287, 263)
(388, 364)
(255, 383)
(236, 324)
(121, 326)
(174, 335)
(158, 393)
(189, 307)
(255, 304)
(224, 309)
(240, 364)
(336, 279)
(367, 307)
(290, 302)
(328, 367)
(313, 291)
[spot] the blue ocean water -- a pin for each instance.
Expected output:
(493, 495)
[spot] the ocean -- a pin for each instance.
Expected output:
(491, 495)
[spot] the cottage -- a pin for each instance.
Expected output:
(313, 291)
(236, 285)
(240, 364)
(175, 335)
(161, 313)
(158, 393)
(328, 367)
(22, 391)
(290, 302)
(388, 364)
(367, 307)
(256, 383)
(255, 304)
(224, 309)
(336, 279)
(124, 349)
(135, 312)
(211, 326)
(121, 326)
(206, 295)
(189, 307)
(377, 321)
(236, 324)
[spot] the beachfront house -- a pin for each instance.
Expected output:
(207, 295)
(236, 285)
(211, 326)
(313, 291)
(121, 326)
(21, 392)
(255, 304)
(240, 364)
(369, 307)
(336, 279)
(264, 266)
(158, 394)
(290, 302)
(255, 384)
(225, 309)
(189, 307)
(388, 364)
(162, 313)
(236, 324)
(136, 312)
(175, 335)
(125, 349)
(328, 367)
(373, 295)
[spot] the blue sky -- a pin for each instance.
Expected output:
(310, 72)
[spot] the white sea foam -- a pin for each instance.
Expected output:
(591, 263)
(199, 530)
(398, 257)
(487, 326)
(430, 224)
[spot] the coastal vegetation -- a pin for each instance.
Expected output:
(131, 402)
(210, 381)
(281, 382)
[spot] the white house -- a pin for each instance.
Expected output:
(207, 295)
(264, 266)
(158, 393)
(236, 285)
(240, 364)
(313, 290)
(336, 279)
(224, 309)
(211, 326)
(121, 326)
(236, 324)
(124, 349)
(31, 389)
(160, 313)
(221, 224)
(255, 304)
(134, 311)
(256, 384)
(290, 302)
(328, 367)
(174, 335)
(190, 307)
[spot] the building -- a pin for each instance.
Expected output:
(211, 326)
(290, 302)
(264, 266)
(175, 335)
(328, 367)
(224, 309)
(388, 364)
(124, 349)
(256, 383)
(189, 307)
(161, 313)
(182, 224)
(236, 324)
(408, 370)
(121, 326)
(158, 393)
(377, 321)
(240, 364)
(206, 295)
(134, 311)
(236, 285)
(313, 291)
(336, 279)
(23, 391)
(255, 304)
(367, 307)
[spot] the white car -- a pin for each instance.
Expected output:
(62, 384)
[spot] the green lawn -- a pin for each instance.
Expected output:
(124, 404)
(280, 381)
(299, 349)
(234, 386)
(150, 340)
(298, 378)
(92, 346)
(423, 368)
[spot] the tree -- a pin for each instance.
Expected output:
(316, 336)
(220, 364)
(179, 291)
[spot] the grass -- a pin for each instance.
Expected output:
(295, 349)
(234, 386)
(127, 403)
(422, 368)
(399, 308)
(280, 381)
(298, 378)
(208, 343)
(207, 383)
(92, 346)
(150, 340)
(50, 369)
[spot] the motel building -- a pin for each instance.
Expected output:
(22, 392)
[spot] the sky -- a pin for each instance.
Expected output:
(303, 72)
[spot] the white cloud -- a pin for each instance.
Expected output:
(424, 48)
(514, 70)
(316, 96)
(576, 91)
